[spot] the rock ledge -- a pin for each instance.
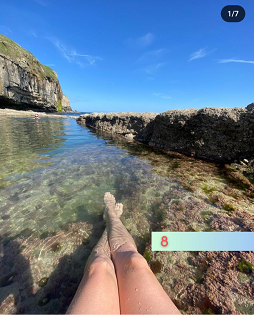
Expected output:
(216, 134)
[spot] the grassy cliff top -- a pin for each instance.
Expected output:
(25, 59)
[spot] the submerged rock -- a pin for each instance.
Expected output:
(7, 279)
(56, 247)
(43, 281)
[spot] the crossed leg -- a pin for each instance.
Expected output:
(139, 290)
(127, 284)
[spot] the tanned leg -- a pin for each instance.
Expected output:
(98, 290)
(139, 290)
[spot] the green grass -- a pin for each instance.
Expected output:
(8, 46)
(11, 49)
(3, 49)
(59, 107)
(16, 53)
(50, 73)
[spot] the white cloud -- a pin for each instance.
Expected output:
(146, 40)
(152, 55)
(5, 29)
(161, 95)
(142, 41)
(200, 54)
(29, 32)
(72, 55)
(62, 48)
(235, 60)
(153, 68)
(91, 59)
(33, 33)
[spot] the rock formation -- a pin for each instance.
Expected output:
(27, 84)
(129, 125)
(66, 107)
(215, 134)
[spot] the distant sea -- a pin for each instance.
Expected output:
(74, 114)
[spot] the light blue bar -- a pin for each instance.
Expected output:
(204, 241)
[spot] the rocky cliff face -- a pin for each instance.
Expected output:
(66, 104)
(25, 83)
(215, 134)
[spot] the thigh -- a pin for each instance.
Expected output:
(139, 290)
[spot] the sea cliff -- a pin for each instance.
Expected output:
(221, 135)
(27, 84)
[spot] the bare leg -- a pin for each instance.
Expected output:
(98, 291)
(139, 290)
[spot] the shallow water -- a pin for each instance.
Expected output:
(54, 174)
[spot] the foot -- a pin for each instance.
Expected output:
(117, 233)
(119, 209)
(112, 209)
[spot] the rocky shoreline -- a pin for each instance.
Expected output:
(27, 113)
(49, 222)
(221, 135)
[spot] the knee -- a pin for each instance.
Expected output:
(101, 265)
(135, 261)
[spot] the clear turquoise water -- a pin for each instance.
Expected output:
(53, 176)
(55, 171)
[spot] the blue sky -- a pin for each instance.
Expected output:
(142, 55)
